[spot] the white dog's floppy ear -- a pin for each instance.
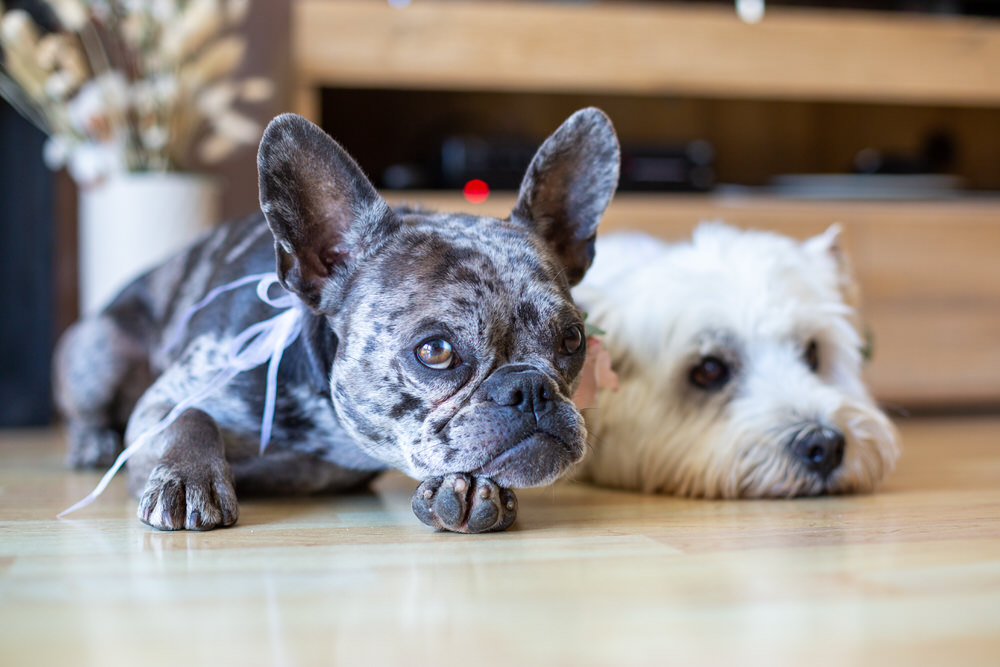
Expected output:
(830, 244)
(320, 207)
(568, 186)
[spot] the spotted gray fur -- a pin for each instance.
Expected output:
(353, 399)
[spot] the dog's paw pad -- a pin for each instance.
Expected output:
(92, 446)
(175, 501)
(462, 503)
(451, 502)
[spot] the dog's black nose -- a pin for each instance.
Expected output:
(527, 390)
(820, 449)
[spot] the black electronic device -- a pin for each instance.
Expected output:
(500, 163)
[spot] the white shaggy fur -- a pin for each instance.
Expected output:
(756, 300)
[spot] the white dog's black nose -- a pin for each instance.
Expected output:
(819, 449)
(526, 390)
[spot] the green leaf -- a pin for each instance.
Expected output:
(591, 329)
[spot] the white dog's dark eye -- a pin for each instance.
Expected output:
(572, 339)
(435, 353)
(811, 356)
(710, 373)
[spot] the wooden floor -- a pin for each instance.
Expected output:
(908, 576)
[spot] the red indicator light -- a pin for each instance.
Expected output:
(476, 191)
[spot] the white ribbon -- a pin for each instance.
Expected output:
(260, 342)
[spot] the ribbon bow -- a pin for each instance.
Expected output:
(260, 342)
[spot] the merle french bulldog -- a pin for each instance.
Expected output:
(444, 345)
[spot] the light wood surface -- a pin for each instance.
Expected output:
(929, 273)
(647, 48)
(908, 576)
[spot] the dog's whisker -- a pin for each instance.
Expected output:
(897, 410)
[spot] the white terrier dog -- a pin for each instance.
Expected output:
(739, 364)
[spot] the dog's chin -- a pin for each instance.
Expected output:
(795, 484)
(806, 484)
(537, 460)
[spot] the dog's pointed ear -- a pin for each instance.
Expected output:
(568, 186)
(829, 246)
(322, 210)
(830, 243)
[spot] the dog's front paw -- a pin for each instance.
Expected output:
(462, 503)
(92, 446)
(176, 498)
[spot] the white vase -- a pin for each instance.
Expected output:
(131, 222)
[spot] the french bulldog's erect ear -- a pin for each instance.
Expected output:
(568, 185)
(322, 210)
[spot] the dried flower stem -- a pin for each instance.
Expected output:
(11, 92)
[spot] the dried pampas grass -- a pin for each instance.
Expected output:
(132, 85)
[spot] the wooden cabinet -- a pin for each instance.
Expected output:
(929, 270)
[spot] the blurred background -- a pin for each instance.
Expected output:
(787, 115)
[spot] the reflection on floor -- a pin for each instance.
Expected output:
(910, 575)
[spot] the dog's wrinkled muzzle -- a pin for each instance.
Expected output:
(534, 432)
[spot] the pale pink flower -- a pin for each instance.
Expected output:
(596, 375)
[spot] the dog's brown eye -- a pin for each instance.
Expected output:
(710, 373)
(435, 353)
(572, 339)
(811, 356)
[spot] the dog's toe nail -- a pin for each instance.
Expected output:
(428, 494)
(510, 504)
(460, 485)
(484, 492)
